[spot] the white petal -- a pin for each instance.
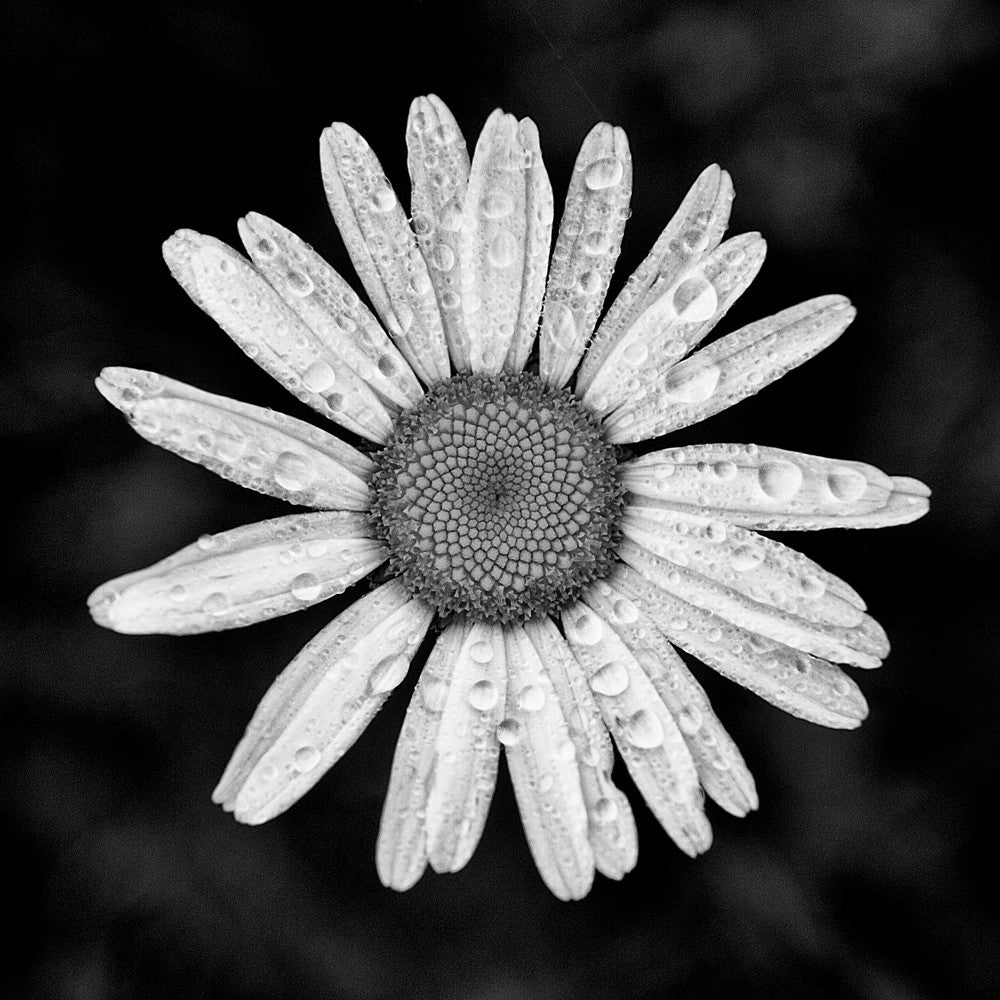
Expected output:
(732, 368)
(384, 250)
(446, 759)
(439, 169)
(590, 234)
(692, 234)
(322, 702)
(685, 309)
(224, 284)
(327, 305)
(239, 577)
(796, 682)
(257, 448)
(721, 768)
(648, 738)
(773, 490)
(862, 645)
(546, 784)
(612, 831)
(506, 231)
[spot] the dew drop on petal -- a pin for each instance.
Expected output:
(604, 173)
(689, 719)
(610, 680)
(625, 611)
(434, 692)
(746, 558)
(483, 695)
(636, 353)
(293, 471)
(509, 732)
(299, 284)
(644, 730)
(687, 386)
(780, 480)
(605, 811)
(319, 376)
(481, 652)
(306, 587)
(695, 300)
(305, 759)
(531, 698)
(846, 484)
(585, 628)
(215, 604)
(388, 674)
(503, 249)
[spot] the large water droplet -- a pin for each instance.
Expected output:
(216, 604)
(695, 300)
(605, 811)
(443, 257)
(299, 283)
(691, 384)
(604, 173)
(503, 249)
(780, 480)
(625, 611)
(293, 471)
(636, 353)
(846, 484)
(509, 732)
(481, 652)
(319, 376)
(497, 205)
(746, 558)
(483, 695)
(689, 718)
(306, 587)
(305, 759)
(610, 680)
(530, 698)
(388, 674)
(644, 730)
(584, 628)
(383, 199)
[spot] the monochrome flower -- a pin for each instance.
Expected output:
(492, 479)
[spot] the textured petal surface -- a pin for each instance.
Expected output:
(721, 768)
(329, 307)
(322, 702)
(242, 576)
(773, 489)
(611, 826)
(732, 368)
(439, 169)
(862, 645)
(545, 776)
(257, 448)
(590, 234)
(796, 682)
(648, 738)
(638, 367)
(240, 300)
(384, 250)
(445, 766)
(504, 246)
(694, 232)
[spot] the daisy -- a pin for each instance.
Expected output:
(492, 481)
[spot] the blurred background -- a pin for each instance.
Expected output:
(857, 134)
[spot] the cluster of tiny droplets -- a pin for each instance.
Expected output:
(497, 498)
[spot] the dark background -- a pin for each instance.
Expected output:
(857, 135)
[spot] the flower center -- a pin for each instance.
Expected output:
(497, 497)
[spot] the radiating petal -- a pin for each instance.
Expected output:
(242, 576)
(692, 234)
(732, 368)
(445, 766)
(648, 738)
(504, 245)
(439, 169)
(721, 768)
(546, 783)
(612, 831)
(257, 448)
(237, 297)
(640, 363)
(771, 489)
(321, 298)
(862, 645)
(796, 682)
(590, 234)
(322, 702)
(384, 250)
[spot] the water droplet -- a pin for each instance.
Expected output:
(299, 284)
(388, 674)
(610, 680)
(590, 282)
(530, 698)
(724, 470)
(497, 205)
(636, 353)
(503, 249)
(305, 759)
(689, 718)
(596, 242)
(566, 751)
(450, 218)
(695, 300)
(780, 480)
(481, 652)
(434, 693)
(206, 542)
(812, 587)
(306, 587)
(625, 610)
(846, 484)
(216, 604)
(585, 629)
(293, 471)
(319, 376)
(746, 558)
(644, 730)
(604, 173)
(509, 732)
(443, 257)
(691, 384)
(177, 593)
(605, 811)
(483, 695)
(383, 199)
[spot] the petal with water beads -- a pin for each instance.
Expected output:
(322, 702)
(546, 779)
(861, 645)
(384, 250)
(506, 230)
(797, 683)
(237, 297)
(771, 489)
(612, 831)
(242, 576)
(257, 448)
(438, 161)
(732, 368)
(586, 249)
(445, 767)
(694, 232)
(329, 307)
(644, 730)
(721, 769)
(681, 315)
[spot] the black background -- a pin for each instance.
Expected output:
(857, 135)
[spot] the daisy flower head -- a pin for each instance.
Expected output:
(494, 492)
